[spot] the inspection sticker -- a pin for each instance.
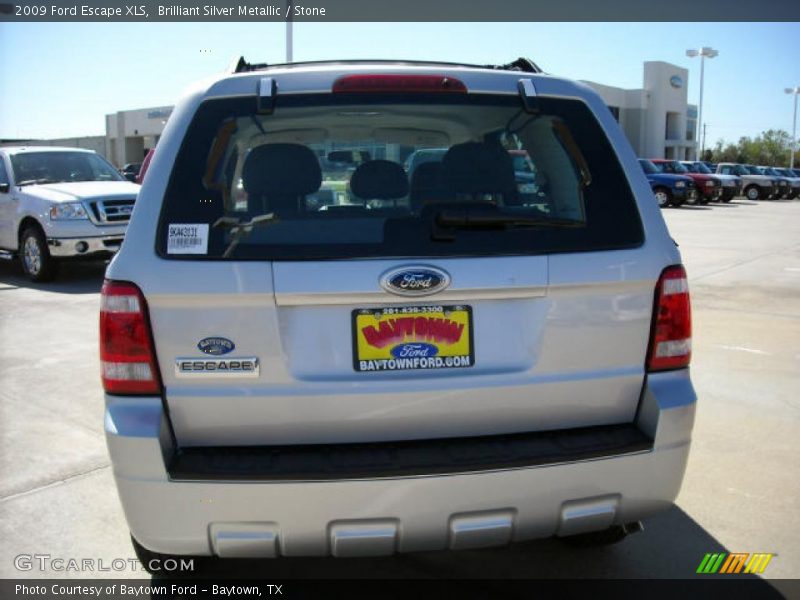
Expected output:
(187, 238)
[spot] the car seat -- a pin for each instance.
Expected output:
(379, 180)
(278, 177)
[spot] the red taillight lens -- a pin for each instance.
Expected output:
(422, 84)
(127, 358)
(671, 337)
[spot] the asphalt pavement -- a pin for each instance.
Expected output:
(741, 492)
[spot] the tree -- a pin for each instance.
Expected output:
(771, 147)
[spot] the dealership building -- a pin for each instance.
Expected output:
(657, 119)
(131, 133)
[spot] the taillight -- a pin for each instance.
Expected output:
(127, 358)
(398, 83)
(671, 336)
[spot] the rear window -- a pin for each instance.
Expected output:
(354, 175)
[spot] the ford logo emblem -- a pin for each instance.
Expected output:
(676, 81)
(215, 346)
(415, 281)
(417, 350)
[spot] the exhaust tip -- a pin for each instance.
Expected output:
(633, 527)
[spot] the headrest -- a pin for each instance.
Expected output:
(479, 168)
(281, 169)
(379, 180)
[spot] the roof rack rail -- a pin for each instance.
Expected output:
(521, 64)
(526, 65)
(242, 66)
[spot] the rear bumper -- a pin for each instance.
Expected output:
(374, 516)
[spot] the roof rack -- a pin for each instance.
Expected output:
(524, 65)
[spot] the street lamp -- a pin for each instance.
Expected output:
(795, 91)
(289, 40)
(703, 53)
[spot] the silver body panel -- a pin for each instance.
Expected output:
(532, 350)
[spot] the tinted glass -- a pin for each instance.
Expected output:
(336, 176)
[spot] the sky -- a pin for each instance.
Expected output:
(61, 79)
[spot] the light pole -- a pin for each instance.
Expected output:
(289, 41)
(795, 91)
(703, 53)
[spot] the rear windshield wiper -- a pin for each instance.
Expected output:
(448, 220)
(241, 229)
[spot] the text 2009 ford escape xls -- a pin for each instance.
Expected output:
(309, 350)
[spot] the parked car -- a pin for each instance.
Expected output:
(130, 171)
(145, 165)
(731, 184)
(453, 371)
(794, 179)
(60, 203)
(709, 187)
(669, 189)
(756, 186)
(791, 187)
(781, 184)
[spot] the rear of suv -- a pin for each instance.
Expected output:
(441, 361)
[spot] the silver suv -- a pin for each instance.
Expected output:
(307, 350)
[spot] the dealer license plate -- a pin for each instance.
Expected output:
(412, 337)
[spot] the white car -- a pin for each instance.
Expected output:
(59, 203)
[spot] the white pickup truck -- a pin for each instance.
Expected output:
(60, 203)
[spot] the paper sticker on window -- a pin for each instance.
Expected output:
(187, 238)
